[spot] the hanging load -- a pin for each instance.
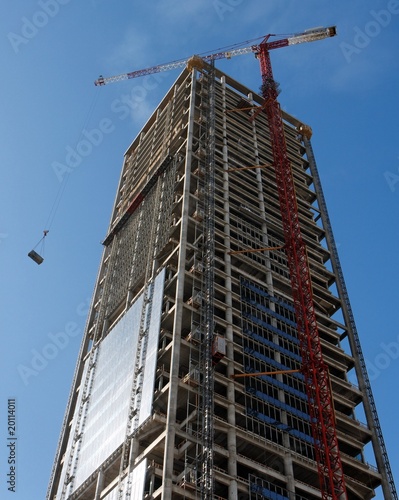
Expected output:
(34, 255)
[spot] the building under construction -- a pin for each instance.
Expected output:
(190, 382)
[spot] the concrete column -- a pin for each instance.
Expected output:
(134, 451)
(175, 355)
(231, 434)
(289, 475)
(99, 485)
(357, 354)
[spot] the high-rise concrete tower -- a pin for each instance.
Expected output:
(189, 381)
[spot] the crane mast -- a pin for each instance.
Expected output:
(313, 367)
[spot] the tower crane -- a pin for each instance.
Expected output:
(310, 35)
(314, 369)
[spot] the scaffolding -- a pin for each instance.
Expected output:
(148, 209)
(196, 250)
(207, 321)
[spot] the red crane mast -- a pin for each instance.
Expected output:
(330, 471)
(313, 367)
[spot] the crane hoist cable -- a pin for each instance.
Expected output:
(65, 179)
(38, 257)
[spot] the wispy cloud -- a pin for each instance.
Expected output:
(132, 52)
(359, 76)
(175, 11)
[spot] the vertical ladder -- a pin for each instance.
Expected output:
(156, 213)
(72, 394)
(87, 386)
(80, 423)
(382, 457)
(208, 288)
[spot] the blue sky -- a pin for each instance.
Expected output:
(52, 51)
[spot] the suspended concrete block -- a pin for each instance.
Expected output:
(36, 257)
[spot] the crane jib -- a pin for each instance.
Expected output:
(310, 35)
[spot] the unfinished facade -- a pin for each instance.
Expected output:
(193, 291)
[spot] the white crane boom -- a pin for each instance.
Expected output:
(307, 36)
